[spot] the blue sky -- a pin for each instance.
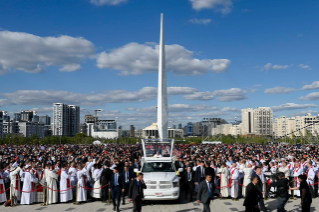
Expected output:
(222, 56)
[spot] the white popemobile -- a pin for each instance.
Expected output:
(158, 167)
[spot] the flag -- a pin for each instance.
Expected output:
(176, 152)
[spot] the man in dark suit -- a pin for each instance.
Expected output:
(259, 186)
(128, 176)
(189, 183)
(206, 192)
(200, 173)
(136, 192)
(117, 188)
(136, 164)
(179, 163)
(106, 176)
(251, 197)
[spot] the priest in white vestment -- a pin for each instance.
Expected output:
(234, 181)
(29, 181)
(3, 197)
(39, 175)
(96, 192)
(15, 180)
(65, 185)
(51, 178)
(247, 177)
(73, 178)
(298, 170)
(311, 177)
(82, 183)
(224, 180)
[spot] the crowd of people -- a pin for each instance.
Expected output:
(81, 172)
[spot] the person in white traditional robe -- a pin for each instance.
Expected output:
(247, 177)
(274, 171)
(73, 178)
(265, 168)
(241, 167)
(51, 178)
(29, 181)
(96, 192)
(33, 172)
(3, 197)
(82, 183)
(7, 178)
(15, 180)
(298, 170)
(285, 169)
(311, 177)
(65, 184)
(213, 166)
(224, 180)
(39, 175)
(234, 174)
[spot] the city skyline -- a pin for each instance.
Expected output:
(221, 58)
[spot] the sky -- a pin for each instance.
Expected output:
(221, 56)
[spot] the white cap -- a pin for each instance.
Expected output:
(27, 166)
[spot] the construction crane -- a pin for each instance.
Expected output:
(98, 110)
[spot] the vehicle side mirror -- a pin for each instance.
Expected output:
(135, 170)
(180, 169)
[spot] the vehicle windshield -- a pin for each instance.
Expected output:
(157, 150)
(158, 167)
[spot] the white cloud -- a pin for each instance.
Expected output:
(223, 6)
(200, 21)
(269, 66)
(230, 95)
(278, 90)
(314, 85)
(70, 67)
(48, 97)
(31, 53)
(292, 106)
(200, 96)
(135, 59)
(131, 109)
(107, 2)
(310, 97)
(210, 114)
(180, 90)
(258, 85)
(304, 66)
(245, 10)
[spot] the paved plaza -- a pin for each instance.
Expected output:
(160, 206)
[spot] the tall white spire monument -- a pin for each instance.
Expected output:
(162, 106)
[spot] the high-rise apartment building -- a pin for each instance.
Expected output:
(1, 129)
(247, 117)
(296, 126)
(66, 119)
(74, 122)
(263, 120)
(46, 120)
(27, 115)
(257, 121)
(4, 116)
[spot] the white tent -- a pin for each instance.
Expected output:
(97, 142)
